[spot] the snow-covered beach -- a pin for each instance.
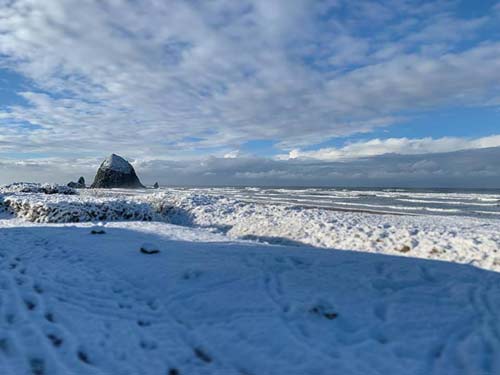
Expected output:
(461, 239)
(241, 287)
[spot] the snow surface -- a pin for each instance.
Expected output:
(76, 303)
(41, 208)
(116, 163)
(30, 187)
(459, 239)
(218, 299)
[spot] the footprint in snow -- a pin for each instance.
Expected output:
(148, 345)
(55, 340)
(143, 323)
(83, 357)
(202, 355)
(10, 318)
(4, 345)
(37, 288)
(191, 274)
(49, 317)
(380, 311)
(30, 304)
(37, 366)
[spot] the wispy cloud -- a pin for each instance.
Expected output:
(144, 76)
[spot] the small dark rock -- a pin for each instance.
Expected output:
(148, 248)
(80, 184)
(405, 249)
(156, 185)
(324, 312)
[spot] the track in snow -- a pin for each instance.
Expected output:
(76, 303)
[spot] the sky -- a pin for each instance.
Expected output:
(253, 92)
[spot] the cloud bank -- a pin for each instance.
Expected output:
(470, 168)
(401, 146)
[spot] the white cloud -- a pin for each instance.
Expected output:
(232, 154)
(402, 146)
(143, 76)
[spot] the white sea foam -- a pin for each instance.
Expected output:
(449, 202)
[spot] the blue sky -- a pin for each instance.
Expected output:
(285, 80)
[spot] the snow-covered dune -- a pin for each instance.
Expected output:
(43, 208)
(458, 239)
(75, 303)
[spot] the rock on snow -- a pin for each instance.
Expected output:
(149, 248)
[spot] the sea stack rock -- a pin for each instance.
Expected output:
(77, 185)
(116, 172)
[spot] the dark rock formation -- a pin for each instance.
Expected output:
(156, 185)
(78, 185)
(116, 172)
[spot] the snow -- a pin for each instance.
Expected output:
(73, 303)
(240, 288)
(30, 187)
(117, 164)
(458, 239)
(41, 208)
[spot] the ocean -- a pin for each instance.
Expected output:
(470, 203)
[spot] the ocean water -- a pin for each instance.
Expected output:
(471, 203)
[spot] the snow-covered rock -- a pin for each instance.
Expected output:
(31, 187)
(40, 208)
(97, 229)
(116, 172)
(149, 248)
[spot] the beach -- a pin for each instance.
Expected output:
(241, 287)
